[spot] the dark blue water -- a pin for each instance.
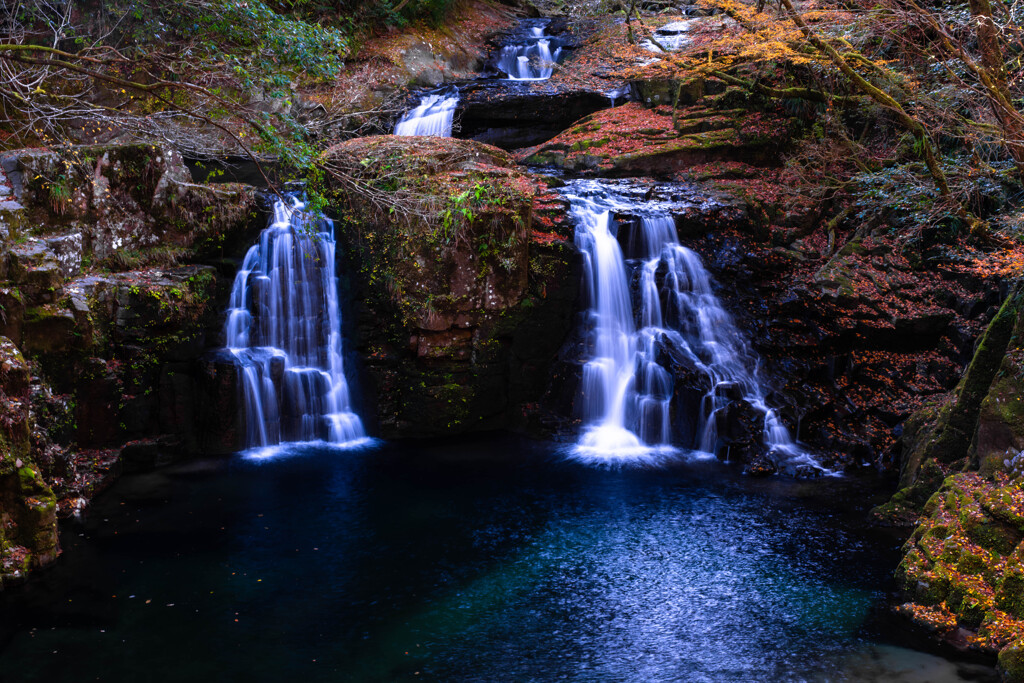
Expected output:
(488, 561)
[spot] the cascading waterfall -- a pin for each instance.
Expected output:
(626, 392)
(531, 59)
(432, 116)
(284, 330)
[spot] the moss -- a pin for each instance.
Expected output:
(26, 479)
(950, 434)
(1006, 504)
(1010, 595)
(442, 290)
(904, 508)
(853, 248)
(972, 609)
(1011, 661)
(34, 512)
(992, 534)
(962, 560)
(972, 563)
(932, 588)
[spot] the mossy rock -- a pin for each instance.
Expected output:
(658, 91)
(49, 329)
(972, 563)
(944, 435)
(14, 403)
(1011, 661)
(1006, 504)
(853, 248)
(999, 438)
(992, 534)
(31, 506)
(1010, 595)
(972, 610)
(931, 588)
(906, 505)
(444, 293)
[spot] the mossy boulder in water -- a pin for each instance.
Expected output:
(1011, 660)
(962, 569)
(459, 302)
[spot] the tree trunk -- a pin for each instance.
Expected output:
(992, 60)
(880, 96)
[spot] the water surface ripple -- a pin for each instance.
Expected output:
(486, 561)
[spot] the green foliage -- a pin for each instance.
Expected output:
(383, 12)
(262, 47)
(59, 191)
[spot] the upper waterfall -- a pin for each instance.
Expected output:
(647, 315)
(284, 328)
(530, 58)
(432, 116)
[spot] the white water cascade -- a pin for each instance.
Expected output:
(432, 116)
(531, 59)
(672, 312)
(284, 330)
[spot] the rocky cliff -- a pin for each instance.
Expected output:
(110, 295)
(461, 303)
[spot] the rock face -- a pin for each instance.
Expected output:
(634, 140)
(97, 293)
(128, 205)
(962, 573)
(855, 337)
(512, 115)
(948, 433)
(28, 507)
(461, 307)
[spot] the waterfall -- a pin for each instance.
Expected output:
(433, 116)
(284, 330)
(531, 59)
(673, 36)
(635, 335)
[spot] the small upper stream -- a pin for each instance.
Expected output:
(531, 57)
(434, 115)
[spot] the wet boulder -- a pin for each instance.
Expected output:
(962, 573)
(740, 430)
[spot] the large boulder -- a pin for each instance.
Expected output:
(962, 574)
(459, 307)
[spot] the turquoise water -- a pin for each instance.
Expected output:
(495, 560)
